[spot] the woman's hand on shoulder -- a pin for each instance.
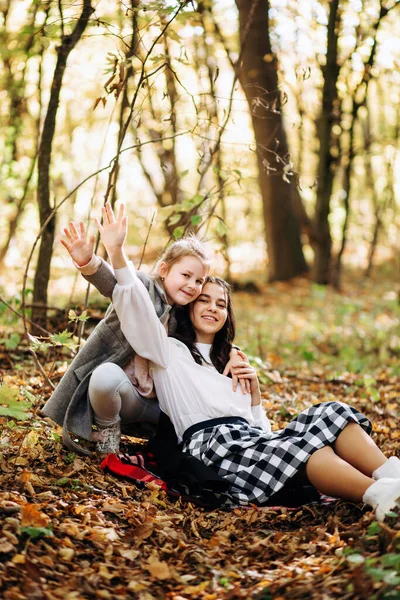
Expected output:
(79, 246)
(245, 372)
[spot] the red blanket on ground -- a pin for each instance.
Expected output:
(132, 469)
(141, 468)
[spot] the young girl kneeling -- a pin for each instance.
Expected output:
(107, 383)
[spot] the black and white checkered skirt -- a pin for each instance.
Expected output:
(259, 464)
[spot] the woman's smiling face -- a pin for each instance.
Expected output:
(208, 312)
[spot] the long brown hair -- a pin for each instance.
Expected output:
(223, 339)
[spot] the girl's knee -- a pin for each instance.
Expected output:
(105, 378)
(104, 386)
(103, 392)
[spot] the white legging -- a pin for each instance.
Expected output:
(113, 397)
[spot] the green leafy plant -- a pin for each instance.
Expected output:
(36, 532)
(65, 339)
(178, 232)
(12, 342)
(74, 318)
(370, 386)
(10, 406)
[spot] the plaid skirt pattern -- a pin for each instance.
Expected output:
(259, 464)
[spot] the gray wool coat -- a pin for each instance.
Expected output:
(69, 404)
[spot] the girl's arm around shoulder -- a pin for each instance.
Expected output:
(257, 409)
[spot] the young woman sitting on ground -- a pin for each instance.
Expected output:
(329, 442)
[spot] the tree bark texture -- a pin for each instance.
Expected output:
(330, 114)
(257, 71)
(42, 274)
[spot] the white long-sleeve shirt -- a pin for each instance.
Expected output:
(188, 393)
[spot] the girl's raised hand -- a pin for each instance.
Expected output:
(78, 245)
(113, 230)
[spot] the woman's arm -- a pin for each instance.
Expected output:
(139, 322)
(137, 315)
(260, 418)
(113, 234)
(246, 371)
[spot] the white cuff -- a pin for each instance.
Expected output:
(256, 412)
(91, 267)
(126, 275)
(261, 418)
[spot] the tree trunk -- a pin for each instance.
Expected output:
(346, 187)
(213, 116)
(42, 274)
(330, 115)
(258, 76)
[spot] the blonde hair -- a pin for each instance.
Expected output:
(187, 246)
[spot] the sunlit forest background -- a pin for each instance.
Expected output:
(271, 129)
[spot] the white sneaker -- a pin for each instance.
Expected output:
(383, 496)
(108, 439)
(391, 468)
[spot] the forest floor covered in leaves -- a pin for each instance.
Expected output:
(71, 532)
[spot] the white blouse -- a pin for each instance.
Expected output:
(187, 392)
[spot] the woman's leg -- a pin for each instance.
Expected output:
(358, 449)
(333, 476)
(114, 398)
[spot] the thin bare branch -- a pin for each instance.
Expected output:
(60, 10)
(73, 191)
(23, 317)
(218, 141)
(40, 368)
(153, 216)
(141, 79)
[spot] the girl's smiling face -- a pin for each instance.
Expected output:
(184, 280)
(209, 312)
